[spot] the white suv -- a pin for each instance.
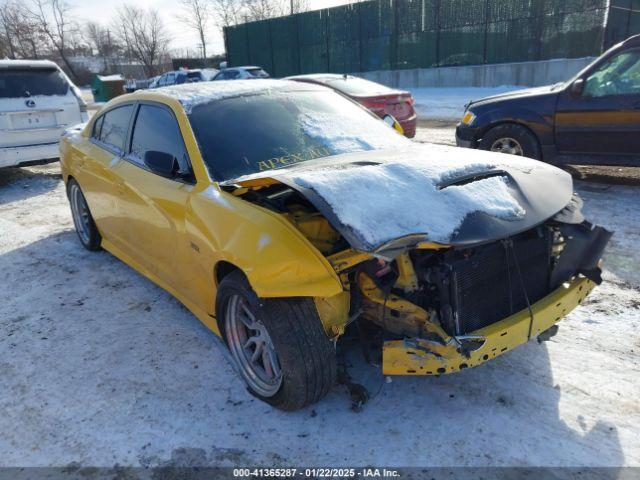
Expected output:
(37, 103)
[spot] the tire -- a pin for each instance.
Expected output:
(304, 354)
(512, 139)
(85, 226)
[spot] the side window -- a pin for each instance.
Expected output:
(97, 126)
(232, 74)
(620, 75)
(156, 129)
(115, 124)
(171, 79)
(162, 81)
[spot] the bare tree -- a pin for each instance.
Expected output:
(143, 35)
(262, 9)
(298, 6)
(19, 32)
(227, 12)
(101, 42)
(197, 14)
(53, 19)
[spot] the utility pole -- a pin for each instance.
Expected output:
(291, 4)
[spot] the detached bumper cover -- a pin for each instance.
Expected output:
(424, 357)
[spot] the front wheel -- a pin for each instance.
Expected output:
(511, 139)
(278, 345)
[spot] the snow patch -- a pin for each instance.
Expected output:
(346, 137)
(193, 94)
(449, 103)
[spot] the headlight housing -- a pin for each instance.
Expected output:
(468, 117)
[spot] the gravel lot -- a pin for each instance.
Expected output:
(101, 367)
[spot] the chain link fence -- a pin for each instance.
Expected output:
(403, 34)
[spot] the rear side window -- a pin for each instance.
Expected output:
(228, 75)
(115, 124)
(156, 129)
(29, 82)
(257, 72)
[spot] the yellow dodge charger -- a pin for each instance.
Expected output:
(279, 213)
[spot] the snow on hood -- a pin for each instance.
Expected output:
(448, 195)
(392, 199)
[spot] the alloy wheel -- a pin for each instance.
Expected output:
(252, 347)
(507, 145)
(80, 213)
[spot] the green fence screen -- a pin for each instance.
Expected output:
(402, 34)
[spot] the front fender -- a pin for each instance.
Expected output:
(540, 124)
(276, 258)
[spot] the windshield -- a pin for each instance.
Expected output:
(358, 86)
(243, 135)
(28, 82)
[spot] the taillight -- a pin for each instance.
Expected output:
(374, 105)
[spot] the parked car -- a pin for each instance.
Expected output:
(327, 217)
(380, 99)
(179, 77)
(37, 103)
(594, 118)
(241, 73)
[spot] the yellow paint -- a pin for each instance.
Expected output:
(176, 234)
(420, 357)
(407, 280)
(333, 312)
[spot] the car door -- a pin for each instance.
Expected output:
(602, 115)
(154, 207)
(98, 177)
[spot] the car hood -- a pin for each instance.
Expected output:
(517, 94)
(386, 201)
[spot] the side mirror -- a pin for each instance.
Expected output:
(161, 163)
(577, 87)
(393, 123)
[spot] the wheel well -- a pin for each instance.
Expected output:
(223, 269)
(511, 122)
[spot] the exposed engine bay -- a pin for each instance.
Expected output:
(435, 292)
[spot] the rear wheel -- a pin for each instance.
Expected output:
(511, 139)
(278, 345)
(82, 219)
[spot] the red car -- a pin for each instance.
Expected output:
(380, 99)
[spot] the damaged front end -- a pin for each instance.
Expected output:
(448, 306)
(452, 309)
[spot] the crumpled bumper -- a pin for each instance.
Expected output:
(428, 357)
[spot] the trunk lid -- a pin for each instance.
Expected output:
(36, 106)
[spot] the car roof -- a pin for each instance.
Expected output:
(244, 67)
(319, 76)
(192, 94)
(632, 41)
(27, 64)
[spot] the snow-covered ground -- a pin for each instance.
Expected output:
(448, 103)
(101, 367)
